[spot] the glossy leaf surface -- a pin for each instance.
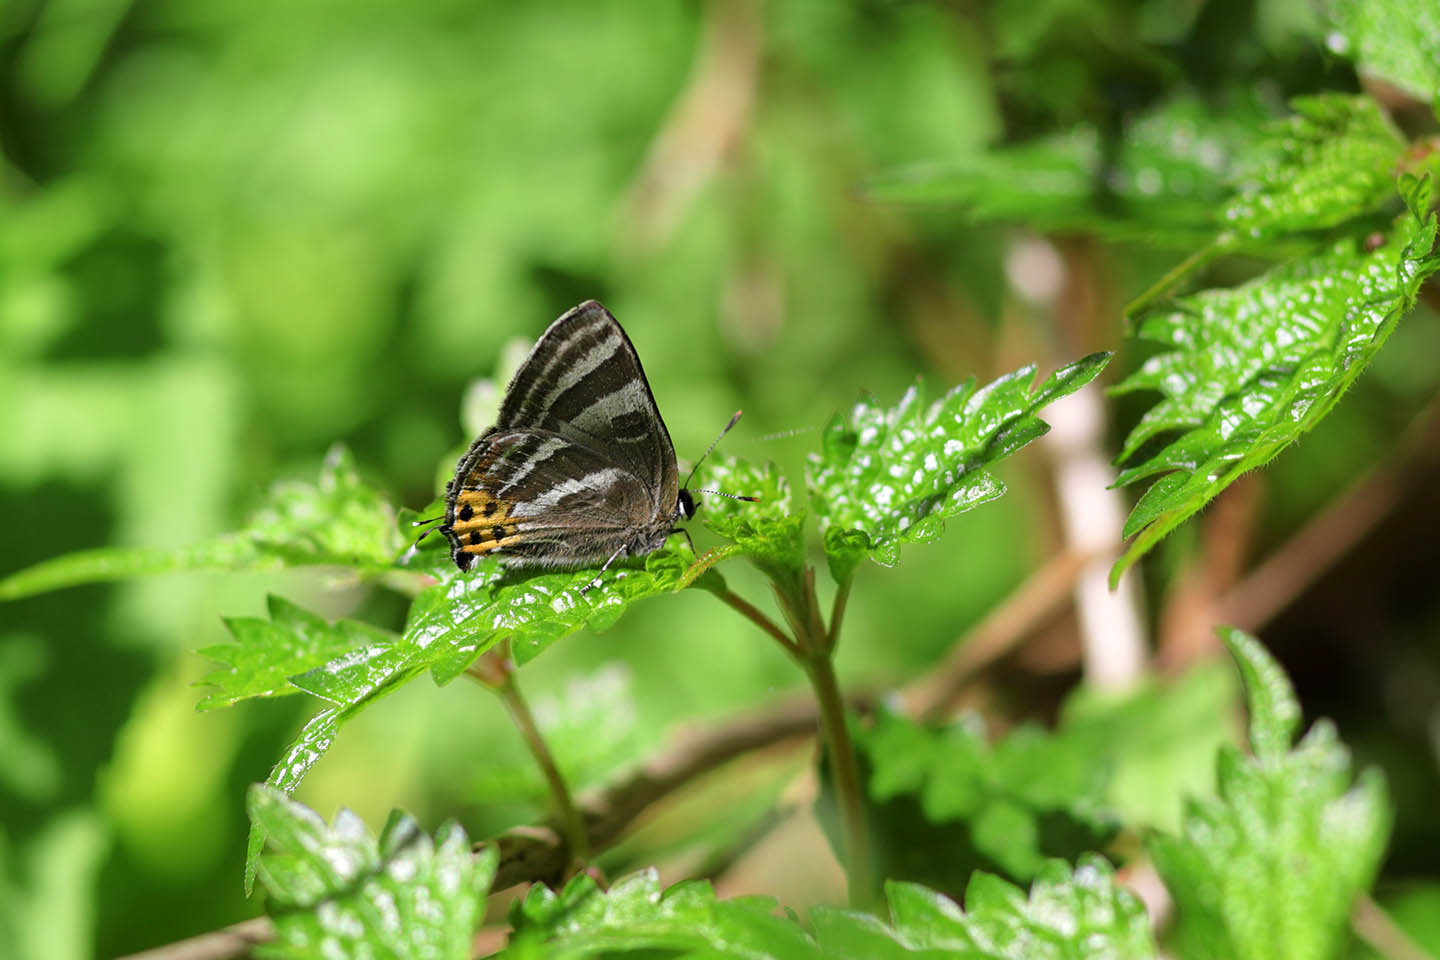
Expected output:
(1067, 915)
(337, 891)
(1253, 367)
(886, 476)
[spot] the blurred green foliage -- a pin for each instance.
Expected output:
(232, 235)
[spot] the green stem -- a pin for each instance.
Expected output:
(859, 871)
(837, 612)
(496, 672)
(753, 614)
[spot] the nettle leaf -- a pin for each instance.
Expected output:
(1332, 160)
(1270, 867)
(1068, 915)
(337, 891)
(767, 533)
(455, 621)
(1160, 180)
(337, 521)
(943, 802)
(266, 654)
(348, 664)
(893, 475)
(1255, 366)
(636, 913)
(1391, 39)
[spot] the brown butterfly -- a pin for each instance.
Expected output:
(579, 467)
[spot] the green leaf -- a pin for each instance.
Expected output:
(945, 802)
(337, 521)
(338, 891)
(1157, 741)
(453, 622)
(1255, 366)
(350, 681)
(266, 654)
(1269, 868)
(1068, 915)
(1394, 40)
(893, 475)
(767, 533)
(1270, 699)
(1332, 160)
(1160, 180)
(636, 913)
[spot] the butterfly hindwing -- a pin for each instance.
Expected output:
(537, 497)
(579, 467)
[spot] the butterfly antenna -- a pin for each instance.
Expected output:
(733, 420)
(732, 496)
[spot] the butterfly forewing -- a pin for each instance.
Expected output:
(579, 467)
(584, 381)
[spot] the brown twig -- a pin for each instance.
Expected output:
(1287, 572)
(223, 944)
(935, 695)
(1382, 934)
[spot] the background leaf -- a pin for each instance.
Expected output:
(338, 521)
(1390, 39)
(945, 802)
(1270, 867)
(1333, 159)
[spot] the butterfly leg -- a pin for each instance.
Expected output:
(606, 566)
(675, 530)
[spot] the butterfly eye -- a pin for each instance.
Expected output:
(685, 509)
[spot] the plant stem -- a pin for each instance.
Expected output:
(837, 612)
(753, 614)
(495, 671)
(858, 868)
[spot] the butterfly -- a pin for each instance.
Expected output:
(579, 467)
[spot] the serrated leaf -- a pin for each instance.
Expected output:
(1160, 180)
(636, 913)
(767, 532)
(337, 521)
(1270, 867)
(351, 684)
(1272, 706)
(1255, 366)
(453, 622)
(1395, 40)
(266, 654)
(893, 475)
(943, 802)
(1331, 160)
(336, 891)
(1068, 915)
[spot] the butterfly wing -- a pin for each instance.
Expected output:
(583, 381)
(539, 498)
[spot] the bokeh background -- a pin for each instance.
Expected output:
(234, 233)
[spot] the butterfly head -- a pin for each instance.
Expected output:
(685, 506)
